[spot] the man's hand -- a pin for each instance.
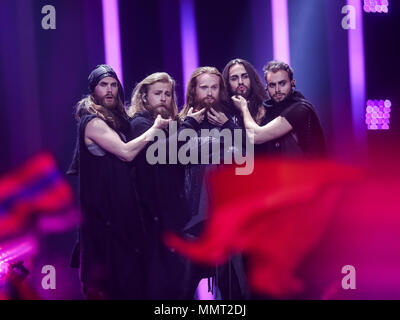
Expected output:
(216, 118)
(198, 116)
(239, 102)
(160, 123)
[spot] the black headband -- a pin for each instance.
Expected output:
(102, 71)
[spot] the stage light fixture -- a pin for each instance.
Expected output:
(376, 6)
(377, 114)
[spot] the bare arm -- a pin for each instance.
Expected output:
(99, 132)
(272, 130)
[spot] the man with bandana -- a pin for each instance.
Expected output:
(111, 245)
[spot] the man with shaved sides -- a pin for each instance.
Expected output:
(291, 126)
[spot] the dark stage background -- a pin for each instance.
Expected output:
(43, 73)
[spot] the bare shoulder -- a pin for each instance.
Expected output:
(97, 124)
(96, 127)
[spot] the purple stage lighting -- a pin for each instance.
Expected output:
(15, 250)
(112, 43)
(379, 6)
(190, 60)
(357, 78)
(280, 29)
(377, 114)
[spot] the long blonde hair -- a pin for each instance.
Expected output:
(138, 93)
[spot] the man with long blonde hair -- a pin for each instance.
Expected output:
(156, 94)
(161, 191)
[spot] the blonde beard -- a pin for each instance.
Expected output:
(165, 113)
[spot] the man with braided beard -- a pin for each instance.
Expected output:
(111, 245)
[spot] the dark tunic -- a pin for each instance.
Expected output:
(307, 137)
(111, 234)
(230, 277)
(195, 185)
(162, 198)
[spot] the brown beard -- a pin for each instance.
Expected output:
(286, 97)
(246, 95)
(102, 102)
(201, 104)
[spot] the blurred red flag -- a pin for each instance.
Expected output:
(275, 216)
(35, 199)
(34, 190)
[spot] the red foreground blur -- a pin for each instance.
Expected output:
(298, 224)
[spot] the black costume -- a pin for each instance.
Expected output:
(230, 277)
(111, 236)
(306, 138)
(162, 199)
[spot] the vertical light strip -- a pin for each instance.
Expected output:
(280, 30)
(190, 60)
(112, 42)
(357, 75)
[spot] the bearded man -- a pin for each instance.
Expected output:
(111, 248)
(291, 126)
(206, 90)
(242, 79)
(160, 188)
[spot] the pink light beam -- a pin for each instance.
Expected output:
(357, 76)
(190, 59)
(112, 39)
(280, 30)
